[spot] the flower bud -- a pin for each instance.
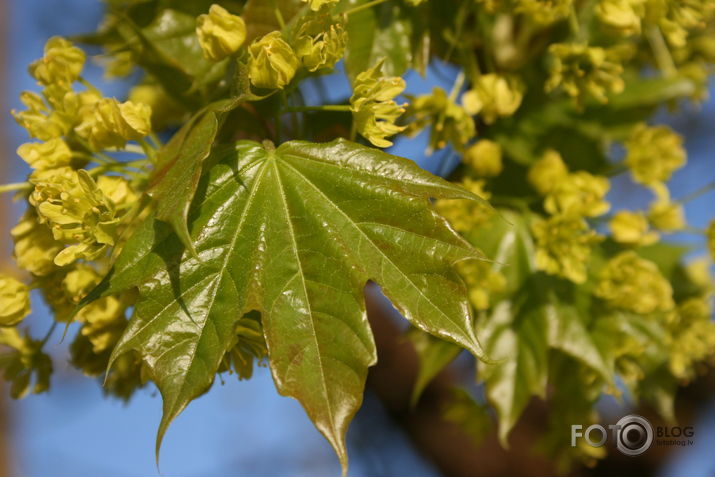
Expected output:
(62, 63)
(14, 301)
(579, 193)
(38, 120)
(450, 122)
(320, 44)
(631, 228)
(485, 158)
(46, 155)
(631, 283)
(563, 246)
(220, 33)
(112, 123)
(493, 96)
(35, 247)
(273, 62)
(585, 72)
(654, 153)
(667, 216)
(623, 16)
(545, 173)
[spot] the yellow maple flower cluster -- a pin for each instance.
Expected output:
(76, 212)
(373, 107)
(632, 283)
(653, 153)
(449, 122)
(564, 239)
(316, 42)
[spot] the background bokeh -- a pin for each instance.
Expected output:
(245, 428)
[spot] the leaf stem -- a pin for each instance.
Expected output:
(457, 86)
(662, 55)
(48, 334)
(574, 23)
(99, 155)
(155, 139)
(15, 186)
(89, 86)
(136, 149)
(363, 7)
(700, 192)
(279, 16)
(325, 107)
(148, 150)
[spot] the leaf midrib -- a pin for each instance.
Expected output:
(281, 194)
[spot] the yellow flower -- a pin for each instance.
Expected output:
(693, 336)
(579, 193)
(563, 246)
(35, 247)
(320, 44)
(485, 158)
(38, 120)
(373, 106)
(26, 367)
(482, 282)
(678, 19)
(666, 215)
(273, 62)
(79, 281)
(631, 228)
(493, 96)
(632, 283)
(316, 5)
(654, 153)
(543, 11)
(449, 122)
(80, 107)
(14, 301)
(623, 16)
(465, 215)
(112, 123)
(118, 64)
(77, 211)
(711, 238)
(104, 319)
(47, 155)
(220, 33)
(118, 190)
(61, 65)
(548, 171)
(584, 71)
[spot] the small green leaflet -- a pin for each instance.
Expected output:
(294, 233)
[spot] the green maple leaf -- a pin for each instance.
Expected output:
(294, 233)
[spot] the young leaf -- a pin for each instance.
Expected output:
(515, 336)
(295, 233)
(180, 161)
(434, 355)
(382, 32)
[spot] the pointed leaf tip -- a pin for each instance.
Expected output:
(296, 239)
